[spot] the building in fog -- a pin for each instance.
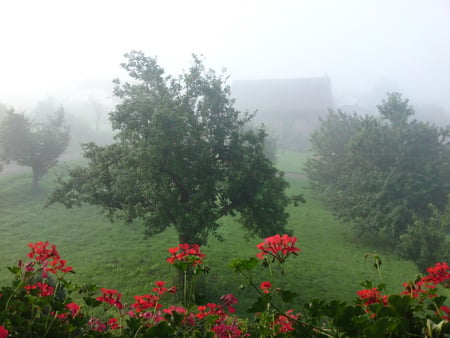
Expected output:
(288, 107)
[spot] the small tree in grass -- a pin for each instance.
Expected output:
(35, 145)
(181, 158)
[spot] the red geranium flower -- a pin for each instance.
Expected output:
(42, 251)
(46, 254)
(210, 309)
(223, 330)
(96, 324)
(186, 253)
(265, 286)
(445, 310)
(145, 302)
(279, 247)
(372, 296)
(111, 297)
(74, 309)
(160, 289)
(285, 323)
(113, 324)
(229, 300)
(3, 332)
(171, 309)
(45, 290)
(439, 274)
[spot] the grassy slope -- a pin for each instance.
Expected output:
(118, 256)
(291, 161)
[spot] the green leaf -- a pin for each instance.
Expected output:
(244, 264)
(260, 305)
(288, 296)
(378, 329)
(400, 304)
(14, 269)
(163, 329)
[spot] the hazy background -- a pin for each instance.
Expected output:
(71, 50)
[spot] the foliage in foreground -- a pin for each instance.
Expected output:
(181, 158)
(388, 176)
(43, 302)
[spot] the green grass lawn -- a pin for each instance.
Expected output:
(291, 161)
(331, 264)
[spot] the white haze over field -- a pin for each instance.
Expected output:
(366, 47)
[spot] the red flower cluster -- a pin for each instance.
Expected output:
(46, 255)
(178, 309)
(74, 311)
(113, 324)
(285, 323)
(45, 290)
(150, 302)
(145, 302)
(437, 275)
(42, 251)
(229, 300)
(223, 330)
(96, 324)
(210, 309)
(279, 247)
(265, 286)
(446, 310)
(112, 297)
(186, 253)
(160, 289)
(211, 317)
(372, 296)
(3, 332)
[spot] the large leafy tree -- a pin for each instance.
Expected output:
(382, 174)
(32, 144)
(181, 158)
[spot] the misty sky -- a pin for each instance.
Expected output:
(362, 45)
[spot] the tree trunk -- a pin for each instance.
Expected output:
(185, 238)
(36, 177)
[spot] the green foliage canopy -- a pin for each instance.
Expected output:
(381, 174)
(181, 158)
(35, 145)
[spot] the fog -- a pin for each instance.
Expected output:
(70, 51)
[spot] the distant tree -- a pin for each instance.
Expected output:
(43, 107)
(181, 158)
(382, 174)
(99, 109)
(35, 145)
(3, 111)
(270, 140)
(271, 146)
